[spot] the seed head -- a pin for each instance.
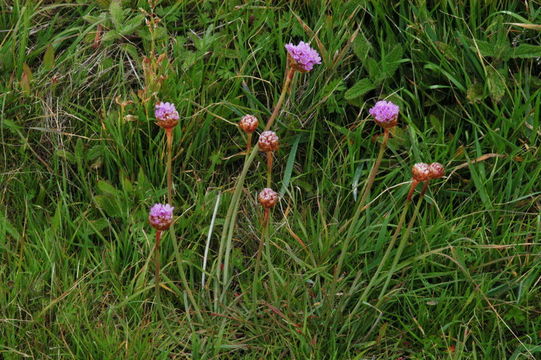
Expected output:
(436, 170)
(421, 172)
(161, 216)
(248, 124)
(267, 198)
(166, 115)
(302, 57)
(268, 141)
(385, 113)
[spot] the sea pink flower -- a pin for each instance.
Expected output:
(385, 113)
(268, 198)
(268, 141)
(302, 56)
(166, 115)
(161, 216)
(436, 170)
(248, 124)
(421, 172)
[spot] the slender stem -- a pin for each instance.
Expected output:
(360, 206)
(269, 262)
(390, 247)
(269, 168)
(169, 134)
(401, 246)
(258, 254)
(228, 227)
(157, 261)
(248, 143)
(285, 87)
(412, 189)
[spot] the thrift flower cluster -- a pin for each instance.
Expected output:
(161, 216)
(303, 56)
(385, 113)
(268, 198)
(268, 141)
(166, 115)
(248, 124)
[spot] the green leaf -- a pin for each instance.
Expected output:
(475, 93)
(109, 205)
(361, 87)
(361, 47)
(527, 51)
(48, 58)
(289, 165)
(496, 84)
(107, 188)
(131, 25)
(117, 14)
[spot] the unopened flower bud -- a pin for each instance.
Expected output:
(248, 124)
(161, 216)
(268, 141)
(267, 198)
(436, 170)
(166, 115)
(421, 172)
(385, 113)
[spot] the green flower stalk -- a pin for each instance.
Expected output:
(301, 59)
(435, 171)
(385, 114)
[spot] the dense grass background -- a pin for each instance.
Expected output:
(79, 173)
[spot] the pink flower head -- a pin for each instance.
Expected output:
(268, 198)
(436, 170)
(161, 216)
(268, 141)
(303, 56)
(421, 172)
(248, 124)
(385, 113)
(166, 115)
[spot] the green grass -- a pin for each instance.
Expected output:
(78, 177)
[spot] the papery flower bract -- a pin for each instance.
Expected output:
(161, 216)
(166, 115)
(267, 198)
(420, 172)
(436, 170)
(385, 113)
(248, 124)
(302, 56)
(268, 141)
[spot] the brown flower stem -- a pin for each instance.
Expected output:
(248, 143)
(269, 168)
(360, 206)
(285, 87)
(157, 261)
(414, 184)
(169, 135)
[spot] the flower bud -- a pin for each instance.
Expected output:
(248, 124)
(161, 216)
(268, 141)
(421, 172)
(166, 115)
(267, 198)
(436, 170)
(385, 114)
